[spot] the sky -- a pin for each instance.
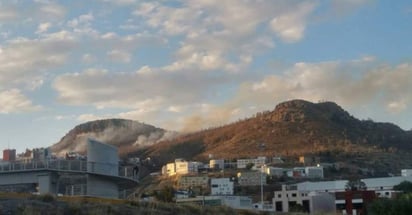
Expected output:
(184, 65)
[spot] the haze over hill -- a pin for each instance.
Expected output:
(125, 134)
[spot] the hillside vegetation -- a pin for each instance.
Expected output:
(295, 128)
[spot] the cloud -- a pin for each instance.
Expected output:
(290, 27)
(43, 27)
(342, 82)
(13, 101)
(352, 84)
(23, 60)
(119, 56)
(135, 90)
(225, 35)
(8, 14)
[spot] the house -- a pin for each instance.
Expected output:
(275, 171)
(251, 178)
(181, 167)
(312, 202)
(189, 182)
(221, 186)
(257, 162)
(217, 164)
(406, 172)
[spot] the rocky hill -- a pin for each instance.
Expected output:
(293, 128)
(125, 134)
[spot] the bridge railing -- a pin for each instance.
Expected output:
(66, 165)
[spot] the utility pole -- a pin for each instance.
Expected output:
(262, 148)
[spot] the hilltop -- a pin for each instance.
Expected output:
(125, 134)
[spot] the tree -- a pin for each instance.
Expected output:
(249, 166)
(405, 187)
(355, 185)
(166, 194)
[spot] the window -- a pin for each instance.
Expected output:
(279, 195)
(293, 194)
(215, 185)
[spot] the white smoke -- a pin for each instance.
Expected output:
(154, 137)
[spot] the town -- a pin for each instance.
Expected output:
(256, 184)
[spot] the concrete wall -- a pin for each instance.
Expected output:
(46, 180)
(102, 158)
(102, 187)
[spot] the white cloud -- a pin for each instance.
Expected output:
(121, 2)
(23, 60)
(139, 90)
(290, 27)
(342, 82)
(13, 101)
(43, 27)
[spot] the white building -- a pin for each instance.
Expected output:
(257, 162)
(314, 172)
(306, 172)
(217, 164)
(221, 186)
(322, 186)
(275, 171)
(181, 167)
(406, 172)
(383, 187)
(313, 202)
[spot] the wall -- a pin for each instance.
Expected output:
(102, 158)
(101, 187)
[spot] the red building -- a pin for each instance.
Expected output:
(9, 154)
(355, 200)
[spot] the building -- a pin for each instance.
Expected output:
(277, 160)
(354, 202)
(221, 186)
(9, 155)
(312, 202)
(306, 172)
(252, 178)
(322, 186)
(309, 160)
(406, 172)
(217, 164)
(98, 176)
(383, 187)
(236, 202)
(181, 167)
(314, 172)
(257, 162)
(190, 182)
(275, 171)
(41, 154)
